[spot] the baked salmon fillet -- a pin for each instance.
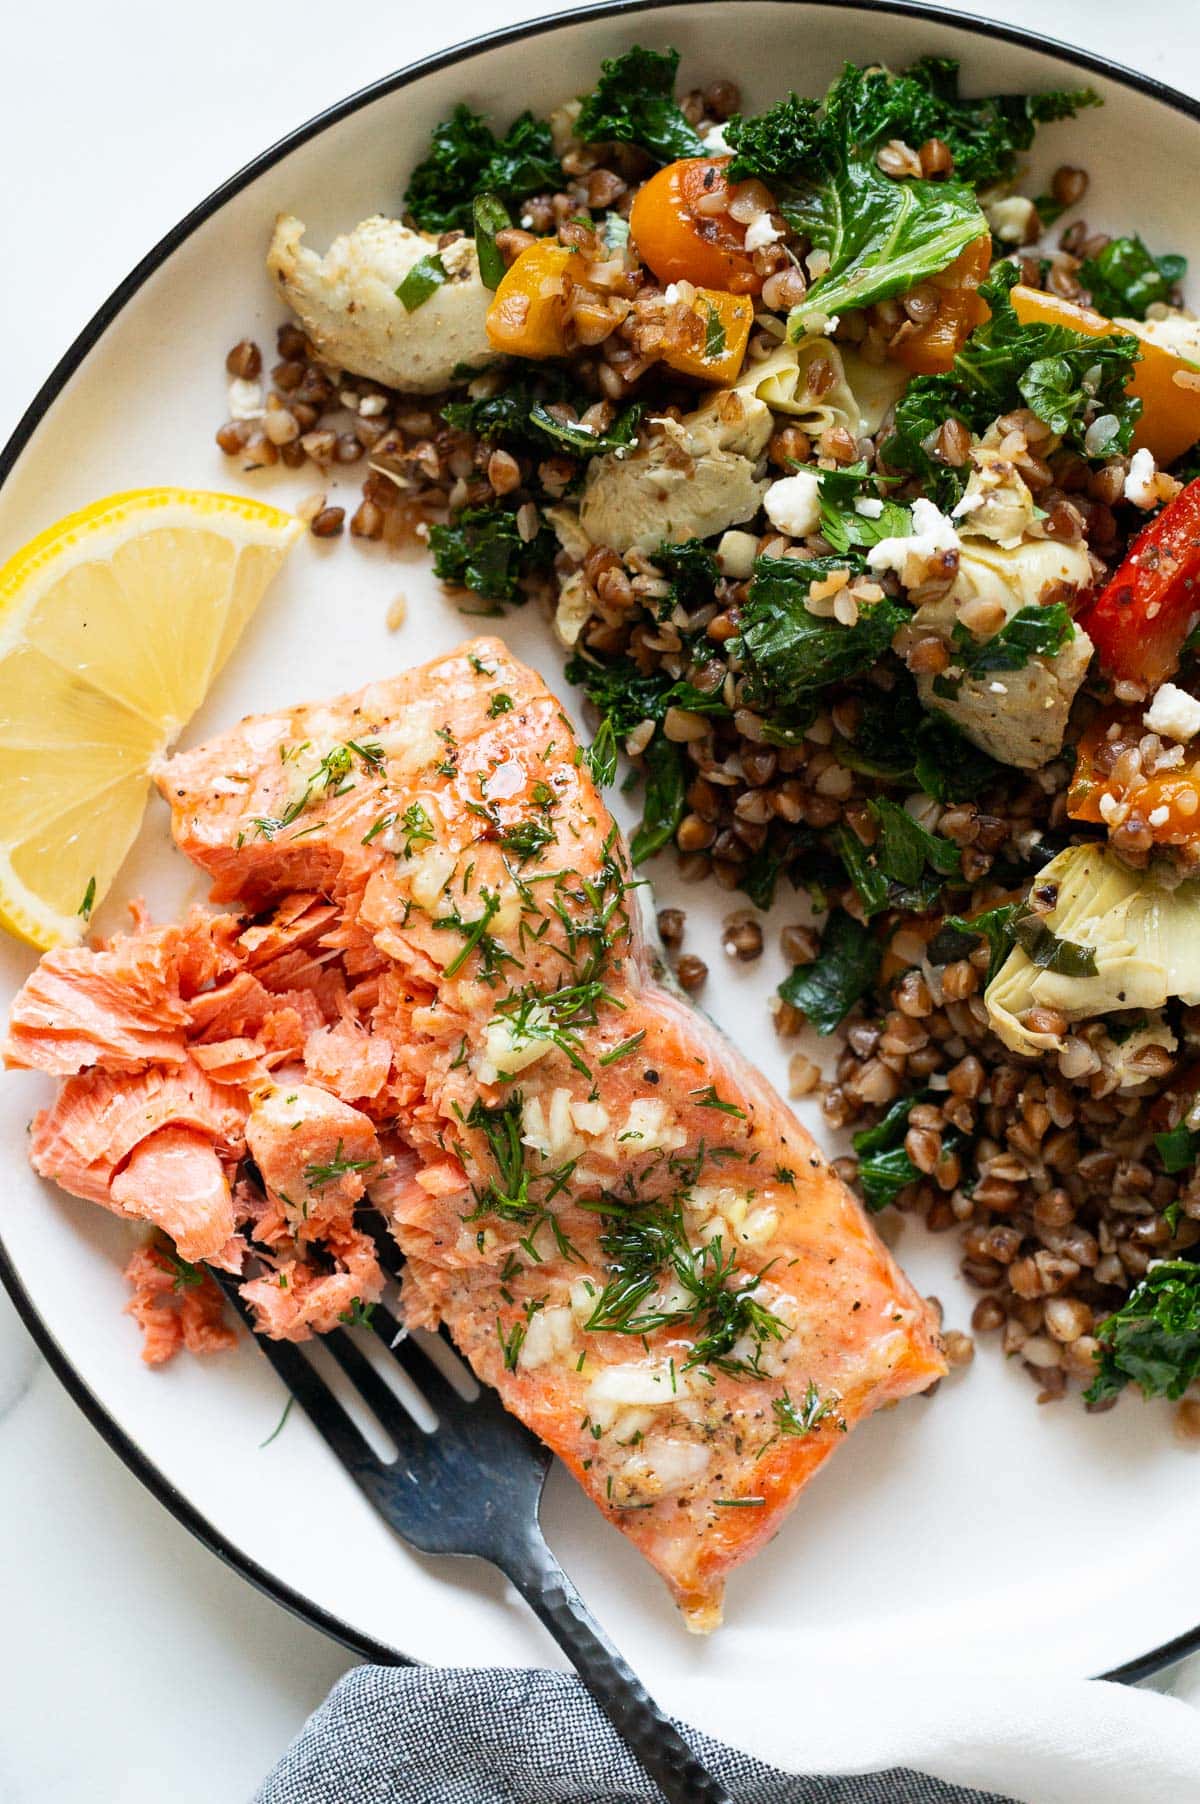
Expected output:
(430, 992)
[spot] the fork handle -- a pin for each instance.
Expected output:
(644, 1728)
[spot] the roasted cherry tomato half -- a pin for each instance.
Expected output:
(683, 233)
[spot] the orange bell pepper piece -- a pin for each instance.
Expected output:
(1170, 422)
(527, 316)
(715, 349)
(681, 244)
(932, 348)
(1167, 805)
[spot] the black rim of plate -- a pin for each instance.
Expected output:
(121, 1443)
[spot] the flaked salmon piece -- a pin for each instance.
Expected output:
(175, 1307)
(118, 1008)
(239, 1061)
(84, 1139)
(348, 1060)
(625, 1229)
(174, 1179)
(314, 1152)
(298, 1300)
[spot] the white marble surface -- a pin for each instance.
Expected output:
(133, 1664)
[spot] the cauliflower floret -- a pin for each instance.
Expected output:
(346, 302)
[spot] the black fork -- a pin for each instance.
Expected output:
(474, 1486)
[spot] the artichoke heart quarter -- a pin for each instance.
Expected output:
(1114, 939)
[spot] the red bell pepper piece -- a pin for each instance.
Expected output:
(1139, 621)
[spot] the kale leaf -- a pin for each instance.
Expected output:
(905, 868)
(465, 158)
(634, 103)
(482, 551)
(1033, 632)
(1153, 1340)
(884, 1168)
(984, 135)
(1067, 378)
(905, 847)
(924, 407)
(843, 525)
(789, 653)
(899, 741)
(693, 572)
(519, 417)
(1125, 278)
(1177, 1148)
(664, 798)
(882, 236)
(957, 938)
(624, 696)
(843, 971)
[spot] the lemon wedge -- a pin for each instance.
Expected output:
(113, 624)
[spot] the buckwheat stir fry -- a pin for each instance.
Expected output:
(859, 486)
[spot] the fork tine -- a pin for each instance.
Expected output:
(412, 1359)
(375, 1393)
(319, 1404)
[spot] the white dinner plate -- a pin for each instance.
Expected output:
(974, 1528)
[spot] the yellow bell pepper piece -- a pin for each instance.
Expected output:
(1170, 422)
(528, 312)
(716, 351)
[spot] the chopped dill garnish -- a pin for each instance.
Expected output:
(623, 1049)
(511, 1343)
(708, 1099)
(89, 900)
(316, 1176)
(525, 839)
(358, 1315)
(279, 1426)
(647, 1248)
(418, 828)
(499, 704)
(476, 938)
(802, 1418)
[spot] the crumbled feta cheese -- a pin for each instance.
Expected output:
(932, 532)
(869, 506)
(715, 141)
(736, 552)
(1014, 219)
(1173, 712)
(1158, 817)
(671, 293)
(793, 504)
(1140, 485)
(968, 504)
(245, 399)
(760, 232)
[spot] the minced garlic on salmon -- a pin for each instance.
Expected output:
(431, 993)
